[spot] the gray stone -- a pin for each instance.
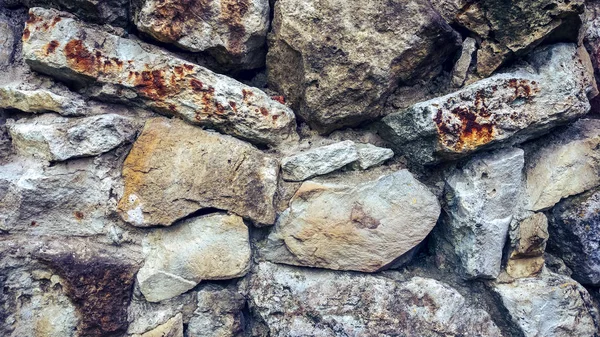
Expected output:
(563, 164)
(370, 155)
(481, 200)
(144, 316)
(303, 302)
(40, 100)
(219, 313)
(175, 169)
(575, 235)
(112, 12)
(550, 305)
(337, 62)
(526, 257)
(172, 328)
(319, 161)
(506, 108)
(361, 225)
(137, 73)
(234, 32)
(212, 247)
(7, 42)
(59, 139)
(461, 67)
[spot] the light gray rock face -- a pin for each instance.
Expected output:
(355, 225)
(59, 139)
(512, 29)
(112, 12)
(551, 305)
(7, 41)
(506, 108)
(234, 32)
(563, 164)
(144, 316)
(175, 169)
(300, 302)
(218, 314)
(370, 155)
(137, 73)
(336, 61)
(40, 100)
(212, 247)
(459, 73)
(481, 200)
(67, 199)
(319, 161)
(575, 235)
(172, 328)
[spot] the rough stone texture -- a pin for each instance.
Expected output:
(362, 225)
(211, 247)
(232, 31)
(564, 164)
(481, 201)
(319, 161)
(175, 169)
(67, 199)
(172, 328)
(58, 139)
(551, 305)
(527, 254)
(592, 40)
(219, 313)
(112, 12)
(144, 316)
(505, 108)
(7, 41)
(514, 28)
(370, 155)
(337, 61)
(575, 235)
(40, 100)
(459, 73)
(134, 72)
(298, 302)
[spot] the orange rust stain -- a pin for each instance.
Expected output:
(264, 111)
(279, 99)
(178, 70)
(523, 88)
(233, 106)
(78, 215)
(26, 34)
(79, 58)
(246, 94)
(275, 117)
(232, 15)
(196, 85)
(51, 47)
(55, 21)
(188, 67)
(33, 223)
(220, 109)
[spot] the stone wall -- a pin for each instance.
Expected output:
(220, 168)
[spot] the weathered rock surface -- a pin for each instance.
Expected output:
(505, 108)
(59, 139)
(510, 29)
(459, 73)
(218, 314)
(481, 200)
(564, 164)
(232, 31)
(551, 305)
(112, 12)
(7, 41)
(337, 61)
(361, 225)
(175, 169)
(40, 100)
(172, 328)
(60, 46)
(575, 235)
(67, 199)
(211, 247)
(144, 316)
(300, 302)
(526, 257)
(370, 155)
(319, 161)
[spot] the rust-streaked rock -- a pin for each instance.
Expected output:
(175, 169)
(60, 46)
(233, 31)
(506, 108)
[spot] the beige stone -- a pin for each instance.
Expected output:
(172, 328)
(175, 169)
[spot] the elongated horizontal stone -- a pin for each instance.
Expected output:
(505, 108)
(40, 100)
(58, 45)
(175, 169)
(319, 161)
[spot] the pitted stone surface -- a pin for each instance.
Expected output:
(60, 46)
